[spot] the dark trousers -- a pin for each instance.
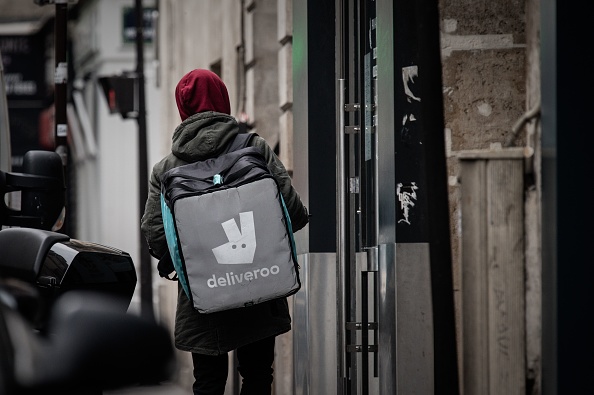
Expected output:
(255, 367)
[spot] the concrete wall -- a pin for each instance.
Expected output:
(490, 54)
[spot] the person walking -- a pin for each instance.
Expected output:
(206, 129)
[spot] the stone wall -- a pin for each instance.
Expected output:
(491, 71)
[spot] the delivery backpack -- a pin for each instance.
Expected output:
(228, 230)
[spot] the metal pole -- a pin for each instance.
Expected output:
(146, 281)
(341, 248)
(60, 98)
(342, 379)
(61, 79)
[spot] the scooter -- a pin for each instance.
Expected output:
(64, 325)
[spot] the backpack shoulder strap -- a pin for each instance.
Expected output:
(242, 140)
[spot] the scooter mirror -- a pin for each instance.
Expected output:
(43, 192)
(45, 203)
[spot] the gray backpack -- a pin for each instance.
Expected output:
(228, 230)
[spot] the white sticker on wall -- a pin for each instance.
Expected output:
(406, 195)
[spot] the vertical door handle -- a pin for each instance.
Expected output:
(341, 252)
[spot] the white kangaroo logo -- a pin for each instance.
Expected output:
(242, 244)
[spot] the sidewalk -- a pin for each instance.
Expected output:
(162, 389)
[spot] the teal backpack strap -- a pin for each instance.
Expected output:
(171, 237)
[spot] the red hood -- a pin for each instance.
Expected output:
(201, 90)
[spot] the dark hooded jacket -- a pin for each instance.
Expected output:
(201, 136)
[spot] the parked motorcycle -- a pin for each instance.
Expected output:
(64, 325)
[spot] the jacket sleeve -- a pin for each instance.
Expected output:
(297, 211)
(151, 224)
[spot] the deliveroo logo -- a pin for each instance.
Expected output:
(241, 247)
